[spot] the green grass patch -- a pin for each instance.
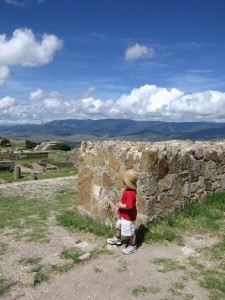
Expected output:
(142, 290)
(29, 218)
(168, 264)
(74, 255)
(208, 215)
(3, 289)
(3, 248)
(30, 261)
(212, 279)
(75, 221)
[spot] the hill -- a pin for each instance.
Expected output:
(74, 131)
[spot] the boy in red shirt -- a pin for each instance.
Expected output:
(127, 213)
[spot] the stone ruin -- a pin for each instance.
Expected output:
(171, 175)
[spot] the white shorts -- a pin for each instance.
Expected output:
(127, 227)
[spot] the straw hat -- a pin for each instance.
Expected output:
(130, 177)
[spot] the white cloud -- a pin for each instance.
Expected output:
(15, 2)
(37, 95)
(6, 102)
(51, 103)
(138, 51)
(4, 73)
(24, 50)
(147, 102)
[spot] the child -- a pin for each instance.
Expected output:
(127, 213)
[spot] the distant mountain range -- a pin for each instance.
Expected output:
(74, 131)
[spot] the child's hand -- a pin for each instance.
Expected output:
(119, 204)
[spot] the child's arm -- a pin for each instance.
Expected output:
(121, 205)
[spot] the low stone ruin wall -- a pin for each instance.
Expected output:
(171, 175)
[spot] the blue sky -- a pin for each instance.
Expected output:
(92, 59)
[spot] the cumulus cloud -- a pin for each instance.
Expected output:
(37, 95)
(4, 73)
(147, 102)
(138, 51)
(6, 102)
(24, 50)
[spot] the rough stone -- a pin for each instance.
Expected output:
(163, 168)
(166, 183)
(28, 279)
(84, 257)
(166, 202)
(149, 162)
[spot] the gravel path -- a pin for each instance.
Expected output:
(109, 276)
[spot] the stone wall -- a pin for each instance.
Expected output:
(171, 174)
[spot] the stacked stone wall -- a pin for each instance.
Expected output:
(171, 175)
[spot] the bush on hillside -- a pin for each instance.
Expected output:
(61, 146)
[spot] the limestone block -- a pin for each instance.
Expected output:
(90, 159)
(84, 185)
(98, 180)
(186, 189)
(142, 205)
(149, 161)
(206, 154)
(100, 158)
(118, 182)
(177, 191)
(107, 181)
(201, 182)
(211, 165)
(148, 184)
(194, 187)
(207, 174)
(213, 175)
(198, 153)
(166, 183)
(166, 202)
(208, 185)
(130, 162)
(163, 168)
(114, 164)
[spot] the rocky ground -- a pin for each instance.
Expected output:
(110, 275)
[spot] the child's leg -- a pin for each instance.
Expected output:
(118, 232)
(133, 239)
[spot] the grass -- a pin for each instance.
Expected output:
(3, 248)
(142, 290)
(3, 289)
(122, 267)
(168, 264)
(75, 221)
(29, 218)
(209, 215)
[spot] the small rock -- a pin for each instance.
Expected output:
(46, 269)
(13, 295)
(28, 279)
(7, 284)
(85, 256)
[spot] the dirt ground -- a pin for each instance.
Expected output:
(111, 275)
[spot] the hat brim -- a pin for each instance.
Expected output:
(127, 181)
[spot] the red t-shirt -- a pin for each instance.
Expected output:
(128, 198)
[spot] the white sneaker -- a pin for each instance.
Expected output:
(114, 241)
(130, 249)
